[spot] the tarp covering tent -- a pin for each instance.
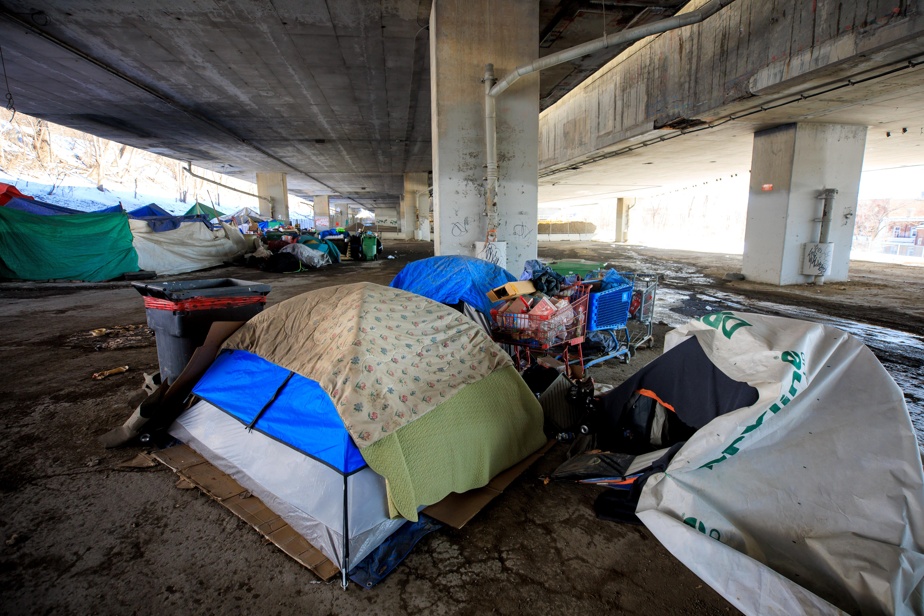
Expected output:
(89, 247)
(453, 279)
(808, 500)
(191, 246)
(50, 209)
(161, 220)
(245, 214)
(151, 210)
(8, 191)
(364, 404)
(201, 209)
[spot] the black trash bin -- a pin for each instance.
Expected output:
(181, 313)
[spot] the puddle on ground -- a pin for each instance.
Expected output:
(900, 353)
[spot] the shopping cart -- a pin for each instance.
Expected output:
(623, 316)
(529, 336)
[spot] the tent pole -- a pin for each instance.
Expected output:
(346, 537)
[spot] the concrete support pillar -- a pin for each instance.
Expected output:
(415, 184)
(323, 218)
(622, 218)
(273, 185)
(424, 207)
(790, 166)
(464, 36)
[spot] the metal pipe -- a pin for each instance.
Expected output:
(490, 126)
(620, 38)
(188, 169)
(827, 195)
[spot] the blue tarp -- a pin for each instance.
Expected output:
(451, 279)
(149, 210)
(50, 209)
(302, 415)
(338, 232)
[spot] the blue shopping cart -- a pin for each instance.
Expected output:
(610, 313)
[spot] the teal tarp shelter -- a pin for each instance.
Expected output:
(90, 247)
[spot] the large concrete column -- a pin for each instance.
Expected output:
(424, 206)
(622, 218)
(464, 36)
(273, 185)
(415, 184)
(790, 166)
(322, 210)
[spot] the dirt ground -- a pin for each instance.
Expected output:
(83, 535)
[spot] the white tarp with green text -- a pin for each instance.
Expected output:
(812, 499)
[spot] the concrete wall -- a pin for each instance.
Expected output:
(750, 47)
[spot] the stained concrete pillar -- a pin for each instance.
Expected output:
(790, 166)
(424, 207)
(273, 185)
(622, 218)
(323, 218)
(464, 36)
(415, 184)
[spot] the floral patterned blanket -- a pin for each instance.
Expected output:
(386, 357)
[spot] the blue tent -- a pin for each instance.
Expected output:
(150, 210)
(453, 279)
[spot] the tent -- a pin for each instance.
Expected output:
(362, 404)
(89, 247)
(33, 206)
(324, 245)
(160, 220)
(201, 209)
(188, 247)
(245, 214)
(151, 210)
(792, 479)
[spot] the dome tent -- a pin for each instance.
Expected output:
(363, 405)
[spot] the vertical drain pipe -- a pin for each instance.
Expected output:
(490, 127)
(827, 195)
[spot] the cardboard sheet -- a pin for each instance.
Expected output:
(193, 468)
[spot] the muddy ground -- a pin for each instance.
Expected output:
(83, 535)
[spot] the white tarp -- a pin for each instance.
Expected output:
(308, 257)
(190, 247)
(812, 499)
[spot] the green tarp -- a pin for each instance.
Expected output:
(203, 209)
(90, 247)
